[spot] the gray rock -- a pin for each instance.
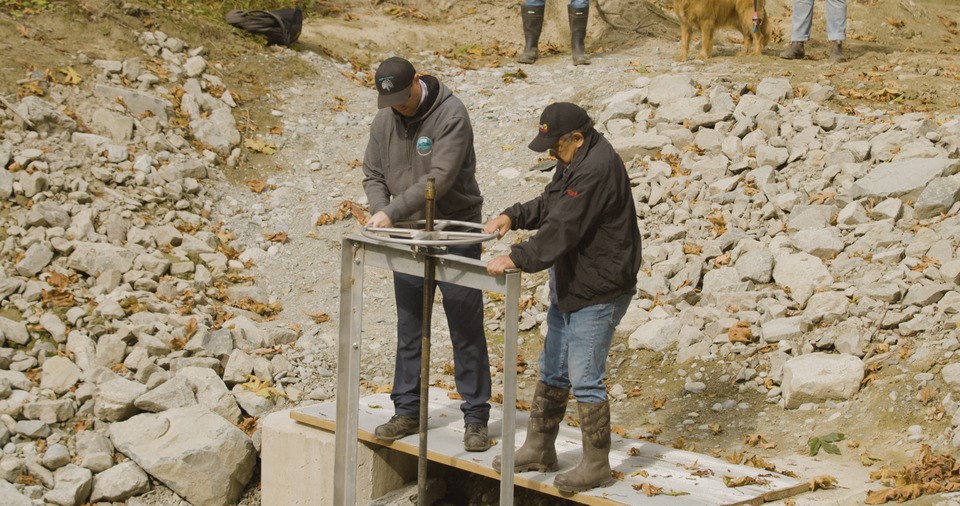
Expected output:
(938, 197)
(52, 324)
(56, 456)
(682, 109)
(6, 184)
(853, 214)
(118, 127)
(818, 377)
(751, 105)
(667, 88)
(924, 295)
(50, 214)
(33, 429)
(951, 375)
(218, 130)
(774, 157)
(826, 307)
(802, 274)
(238, 367)
(33, 184)
(905, 178)
(44, 116)
(34, 260)
(84, 350)
(221, 457)
(94, 450)
(120, 483)
(180, 169)
(775, 88)
(174, 393)
(12, 331)
(212, 392)
(59, 374)
(656, 335)
(789, 328)
(722, 280)
(253, 404)
(73, 486)
(10, 496)
(93, 258)
(136, 102)
(640, 144)
(49, 412)
(820, 242)
(115, 398)
(756, 265)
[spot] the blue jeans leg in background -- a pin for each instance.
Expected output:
(575, 350)
(576, 4)
(803, 19)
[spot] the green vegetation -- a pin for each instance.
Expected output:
(19, 8)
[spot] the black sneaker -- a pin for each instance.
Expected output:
(399, 426)
(475, 438)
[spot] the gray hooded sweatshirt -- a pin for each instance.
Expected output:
(403, 152)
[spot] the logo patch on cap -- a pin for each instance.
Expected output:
(386, 83)
(544, 128)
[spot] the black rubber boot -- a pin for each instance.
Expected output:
(594, 469)
(538, 451)
(578, 33)
(532, 25)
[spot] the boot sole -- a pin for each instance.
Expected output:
(581, 488)
(394, 438)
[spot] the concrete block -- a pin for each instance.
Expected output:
(297, 464)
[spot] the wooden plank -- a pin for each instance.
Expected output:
(699, 475)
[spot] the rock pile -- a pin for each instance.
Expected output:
(831, 237)
(132, 344)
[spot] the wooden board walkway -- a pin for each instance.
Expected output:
(677, 471)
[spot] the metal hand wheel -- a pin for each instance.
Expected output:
(436, 237)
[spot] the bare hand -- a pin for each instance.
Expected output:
(379, 220)
(501, 224)
(498, 265)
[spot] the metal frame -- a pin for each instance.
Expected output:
(359, 252)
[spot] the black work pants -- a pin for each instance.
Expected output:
(464, 310)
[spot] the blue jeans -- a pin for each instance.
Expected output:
(803, 18)
(575, 351)
(471, 364)
(576, 4)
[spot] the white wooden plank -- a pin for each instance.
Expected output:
(668, 468)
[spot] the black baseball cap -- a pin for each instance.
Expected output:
(393, 80)
(557, 120)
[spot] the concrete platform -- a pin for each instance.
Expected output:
(698, 477)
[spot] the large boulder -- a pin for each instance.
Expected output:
(802, 274)
(817, 377)
(93, 258)
(192, 450)
(906, 178)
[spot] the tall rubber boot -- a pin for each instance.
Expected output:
(538, 451)
(578, 33)
(594, 469)
(532, 25)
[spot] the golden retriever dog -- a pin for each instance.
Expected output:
(710, 15)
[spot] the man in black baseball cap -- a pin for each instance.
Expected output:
(423, 130)
(588, 237)
(394, 79)
(557, 120)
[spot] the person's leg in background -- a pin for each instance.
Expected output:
(837, 28)
(578, 12)
(800, 29)
(531, 13)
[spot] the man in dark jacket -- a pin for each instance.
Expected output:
(423, 131)
(587, 235)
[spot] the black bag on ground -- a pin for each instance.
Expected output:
(279, 27)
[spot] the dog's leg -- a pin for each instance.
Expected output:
(685, 30)
(706, 41)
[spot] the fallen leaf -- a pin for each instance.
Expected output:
(658, 402)
(256, 185)
(648, 489)
(868, 460)
(71, 77)
(260, 146)
(23, 31)
(740, 333)
(640, 472)
(742, 481)
(896, 23)
(824, 481)
(692, 249)
(454, 395)
(319, 317)
(280, 237)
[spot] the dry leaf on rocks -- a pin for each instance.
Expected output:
(742, 481)
(261, 388)
(896, 23)
(740, 333)
(280, 237)
(929, 474)
(260, 146)
(647, 489)
(319, 317)
(454, 395)
(256, 185)
(346, 208)
(759, 440)
(658, 402)
(824, 481)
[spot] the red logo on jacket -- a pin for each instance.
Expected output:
(572, 193)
